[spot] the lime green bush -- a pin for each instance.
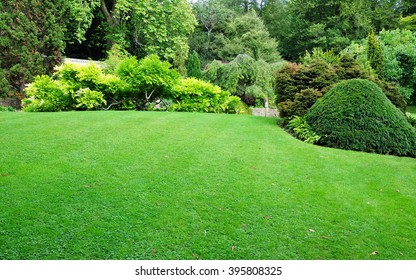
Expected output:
(89, 99)
(45, 95)
(356, 115)
(75, 87)
(193, 95)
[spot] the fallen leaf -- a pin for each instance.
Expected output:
(253, 167)
(397, 190)
(266, 217)
(311, 230)
(5, 174)
(374, 253)
(325, 237)
(195, 256)
(232, 248)
(88, 186)
(154, 252)
(244, 226)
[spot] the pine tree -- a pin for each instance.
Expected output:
(375, 54)
(194, 66)
(31, 39)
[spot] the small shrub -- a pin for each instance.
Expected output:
(7, 109)
(302, 130)
(302, 102)
(411, 119)
(356, 115)
(45, 95)
(149, 78)
(193, 95)
(89, 99)
(328, 56)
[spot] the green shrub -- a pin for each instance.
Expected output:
(89, 99)
(302, 102)
(356, 115)
(149, 78)
(299, 86)
(7, 109)
(329, 56)
(77, 79)
(114, 57)
(45, 95)
(302, 130)
(411, 119)
(193, 95)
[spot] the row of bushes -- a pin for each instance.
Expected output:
(132, 84)
(299, 86)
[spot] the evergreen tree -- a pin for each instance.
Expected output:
(375, 53)
(31, 39)
(194, 66)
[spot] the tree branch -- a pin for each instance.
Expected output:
(106, 13)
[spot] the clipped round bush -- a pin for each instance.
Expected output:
(356, 115)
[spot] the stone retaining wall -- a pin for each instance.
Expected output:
(263, 112)
(13, 102)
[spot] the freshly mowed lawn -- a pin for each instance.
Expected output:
(149, 185)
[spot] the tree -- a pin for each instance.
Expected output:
(301, 26)
(212, 16)
(164, 27)
(194, 66)
(247, 34)
(375, 54)
(31, 39)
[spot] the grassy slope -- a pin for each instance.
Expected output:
(147, 185)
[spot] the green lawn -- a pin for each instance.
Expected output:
(149, 185)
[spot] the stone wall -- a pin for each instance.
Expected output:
(263, 112)
(13, 102)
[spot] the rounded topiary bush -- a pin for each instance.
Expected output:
(356, 115)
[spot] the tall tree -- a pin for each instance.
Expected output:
(301, 26)
(31, 39)
(151, 27)
(247, 34)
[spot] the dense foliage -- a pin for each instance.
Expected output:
(356, 115)
(298, 86)
(31, 41)
(193, 95)
(148, 83)
(398, 63)
(244, 77)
